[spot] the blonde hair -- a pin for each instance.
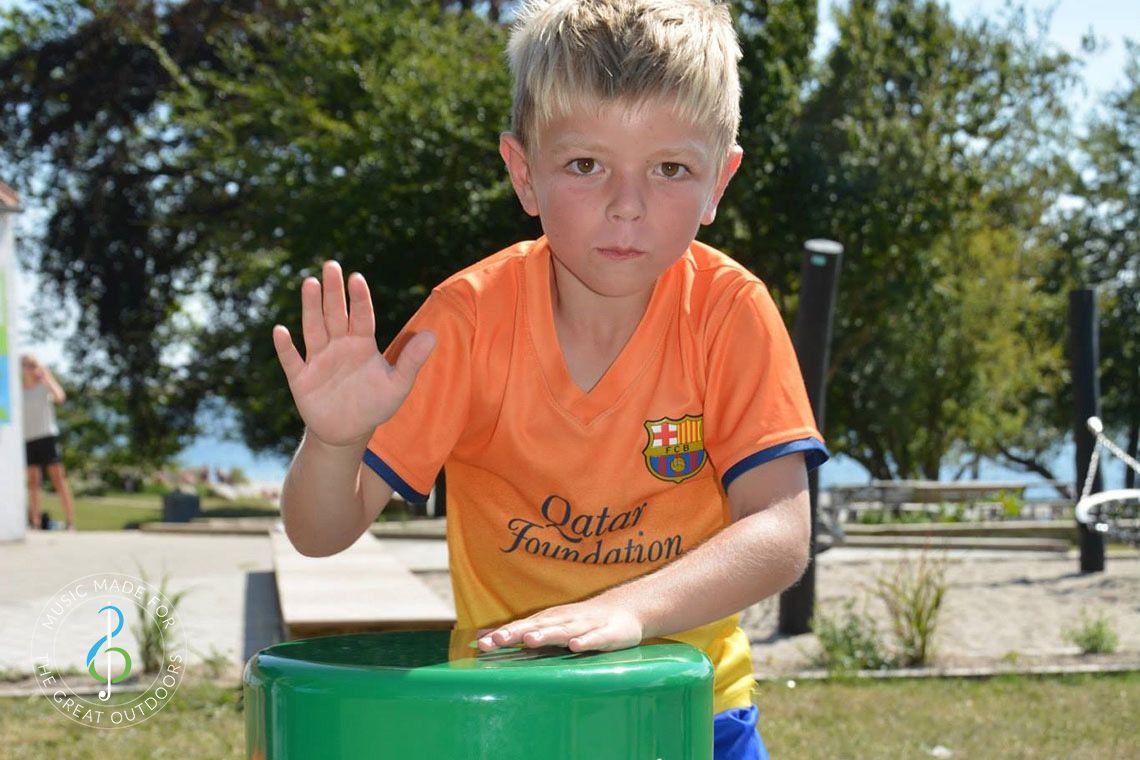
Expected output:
(574, 53)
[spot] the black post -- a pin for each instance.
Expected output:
(1084, 355)
(811, 334)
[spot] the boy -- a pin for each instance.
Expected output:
(619, 407)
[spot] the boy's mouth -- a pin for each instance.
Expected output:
(620, 254)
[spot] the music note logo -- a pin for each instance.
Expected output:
(112, 613)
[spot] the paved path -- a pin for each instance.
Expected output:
(229, 607)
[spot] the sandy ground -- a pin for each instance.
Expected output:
(997, 609)
(1008, 608)
(1005, 609)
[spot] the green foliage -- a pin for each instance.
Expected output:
(849, 641)
(929, 149)
(151, 631)
(97, 443)
(913, 596)
(1093, 635)
(887, 516)
(214, 153)
(215, 663)
(1011, 504)
(364, 132)
(80, 87)
(1102, 239)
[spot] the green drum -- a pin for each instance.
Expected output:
(433, 695)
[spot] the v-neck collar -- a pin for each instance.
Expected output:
(629, 366)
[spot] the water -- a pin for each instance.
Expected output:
(843, 470)
(216, 452)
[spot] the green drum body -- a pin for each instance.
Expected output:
(433, 695)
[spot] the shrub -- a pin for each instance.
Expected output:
(1093, 635)
(913, 596)
(849, 641)
(152, 642)
(1011, 504)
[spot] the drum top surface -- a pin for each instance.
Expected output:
(456, 650)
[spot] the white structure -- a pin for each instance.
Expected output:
(13, 494)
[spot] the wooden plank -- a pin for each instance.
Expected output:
(955, 542)
(360, 589)
(925, 491)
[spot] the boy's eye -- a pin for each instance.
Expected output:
(583, 165)
(670, 169)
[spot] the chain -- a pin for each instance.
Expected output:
(1093, 462)
(1108, 444)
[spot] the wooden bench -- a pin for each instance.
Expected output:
(360, 589)
(982, 499)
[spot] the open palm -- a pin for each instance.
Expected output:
(344, 387)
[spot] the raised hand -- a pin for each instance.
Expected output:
(344, 387)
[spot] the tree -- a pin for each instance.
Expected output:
(217, 152)
(80, 107)
(224, 150)
(362, 132)
(1102, 238)
(760, 219)
(926, 148)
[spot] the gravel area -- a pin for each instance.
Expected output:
(998, 610)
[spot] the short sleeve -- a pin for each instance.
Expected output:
(756, 406)
(409, 450)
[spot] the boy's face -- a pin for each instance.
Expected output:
(620, 195)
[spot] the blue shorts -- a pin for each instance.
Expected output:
(735, 736)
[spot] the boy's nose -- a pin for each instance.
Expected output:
(627, 199)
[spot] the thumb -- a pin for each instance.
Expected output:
(415, 353)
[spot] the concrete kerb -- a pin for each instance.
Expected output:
(256, 526)
(903, 674)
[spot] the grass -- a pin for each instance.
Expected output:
(126, 511)
(1010, 717)
(202, 721)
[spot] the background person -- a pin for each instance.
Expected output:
(41, 438)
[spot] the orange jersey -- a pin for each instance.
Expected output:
(555, 494)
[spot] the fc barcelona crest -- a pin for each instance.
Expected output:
(676, 449)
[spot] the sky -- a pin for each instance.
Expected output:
(1111, 20)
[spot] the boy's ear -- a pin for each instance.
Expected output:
(731, 164)
(514, 156)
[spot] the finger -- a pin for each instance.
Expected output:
(361, 317)
(415, 353)
(498, 637)
(312, 319)
(287, 354)
(586, 640)
(547, 627)
(336, 311)
(505, 635)
(559, 634)
(604, 638)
